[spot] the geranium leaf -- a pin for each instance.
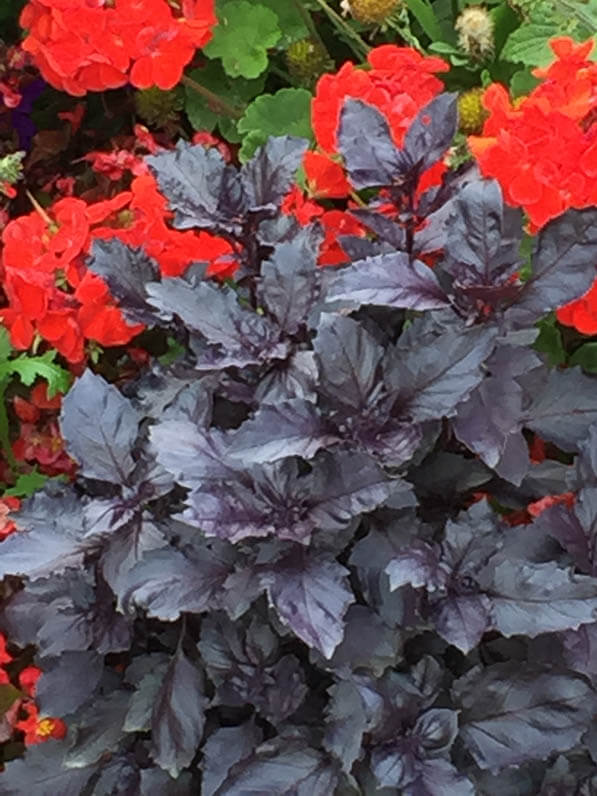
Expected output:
(287, 112)
(241, 39)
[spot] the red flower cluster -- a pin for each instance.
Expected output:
(543, 149)
(23, 714)
(51, 293)
(39, 441)
(399, 82)
(92, 45)
(7, 525)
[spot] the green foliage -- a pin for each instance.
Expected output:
(8, 696)
(528, 44)
(550, 341)
(287, 112)
(236, 92)
(28, 369)
(27, 484)
(586, 357)
(290, 20)
(242, 38)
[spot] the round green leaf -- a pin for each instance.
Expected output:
(242, 38)
(287, 112)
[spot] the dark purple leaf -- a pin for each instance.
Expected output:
(126, 548)
(269, 175)
(178, 715)
(433, 378)
(289, 284)
(155, 782)
(530, 599)
(191, 178)
(100, 426)
(439, 777)
(191, 454)
(281, 769)
(51, 539)
(385, 229)
(246, 668)
(97, 729)
(432, 131)
(67, 682)
(348, 358)
(476, 248)
(512, 714)
(365, 142)
(290, 428)
(418, 566)
(223, 749)
(126, 271)
(168, 582)
(564, 408)
(563, 263)
(368, 644)
(389, 280)
(311, 596)
(215, 313)
(42, 773)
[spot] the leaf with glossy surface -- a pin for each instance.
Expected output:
(178, 715)
(311, 596)
(269, 175)
(513, 713)
(371, 158)
(100, 426)
(388, 280)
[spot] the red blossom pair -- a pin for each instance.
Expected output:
(24, 714)
(93, 45)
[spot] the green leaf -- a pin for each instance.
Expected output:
(5, 346)
(8, 696)
(30, 368)
(550, 341)
(505, 22)
(237, 92)
(243, 36)
(287, 112)
(529, 44)
(290, 20)
(174, 352)
(27, 484)
(425, 16)
(586, 357)
(522, 83)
